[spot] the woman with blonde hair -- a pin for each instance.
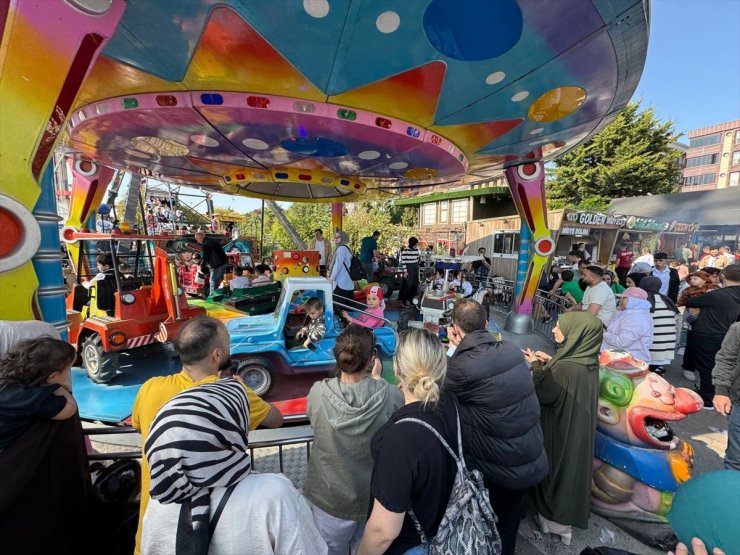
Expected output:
(413, 471)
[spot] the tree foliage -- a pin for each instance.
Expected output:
(360, 220)
(628, 158)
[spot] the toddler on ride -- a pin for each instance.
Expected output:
(374, 316)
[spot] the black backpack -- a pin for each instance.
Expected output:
(355, 269)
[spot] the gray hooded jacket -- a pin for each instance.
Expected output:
(344, 418)
(726, 373)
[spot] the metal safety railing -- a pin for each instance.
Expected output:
(258, 440)
(499, 297)
(358, 307)
(546, 309)
(496, 293)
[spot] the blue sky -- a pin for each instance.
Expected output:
(692, 73)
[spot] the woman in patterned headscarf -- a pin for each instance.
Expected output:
(200, 476)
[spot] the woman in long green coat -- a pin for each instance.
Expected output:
(567, 385)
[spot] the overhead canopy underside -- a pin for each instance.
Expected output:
(329, 100)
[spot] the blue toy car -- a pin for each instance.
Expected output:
(264, 345)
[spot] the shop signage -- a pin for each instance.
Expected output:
(575, 231)
(595, 218)
(682, 227)
(645, 224)
(636, 223)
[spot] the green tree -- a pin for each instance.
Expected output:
(360, 220)
(630, 157)
(304, 218)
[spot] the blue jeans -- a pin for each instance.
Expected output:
(732, 455)
(217, 276)
(418, 550)
(369, 273)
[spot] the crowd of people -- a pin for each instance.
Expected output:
(667, 311)
(383, 463)
(668, 286)
(385, 460)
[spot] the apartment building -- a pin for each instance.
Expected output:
(713, 158)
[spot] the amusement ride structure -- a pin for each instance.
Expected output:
(321, 101)
(303, 100)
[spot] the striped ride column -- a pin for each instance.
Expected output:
(48, 258)
(527, 184)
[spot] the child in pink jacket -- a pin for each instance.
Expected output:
(373, 316)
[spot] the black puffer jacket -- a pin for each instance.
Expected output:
(499, 411)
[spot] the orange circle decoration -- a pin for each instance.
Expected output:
(12, 234)
(21, 235)
(420, 174)
(529, 169)
(557, 103)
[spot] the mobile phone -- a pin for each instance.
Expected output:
(311, 346)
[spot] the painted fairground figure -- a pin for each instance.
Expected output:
(639, 462)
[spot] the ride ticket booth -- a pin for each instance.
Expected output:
(598, 231)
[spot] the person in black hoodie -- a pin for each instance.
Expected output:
(720, 308)
(499, 413)
(214, 258)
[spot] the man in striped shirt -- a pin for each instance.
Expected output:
(409, 263)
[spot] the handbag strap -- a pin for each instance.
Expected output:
(459, 459)
(351, 254)
(219, 510)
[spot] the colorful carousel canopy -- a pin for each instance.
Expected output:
(344, 100)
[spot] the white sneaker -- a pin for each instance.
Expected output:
(563, 531)
(689, 375)
(681, 351)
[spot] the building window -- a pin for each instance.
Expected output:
(706, 140)
(459, 211)
(702, 160)
(702, 179)
(735, 158)
(444, 211)
(506, 243)
(734, 179)
(737, 137)
(429, 214)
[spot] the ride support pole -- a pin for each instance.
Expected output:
(337, 212)
(527, 185)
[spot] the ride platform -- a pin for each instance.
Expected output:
(111, 403)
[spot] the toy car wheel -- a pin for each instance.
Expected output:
(102, 367)
(257, 373)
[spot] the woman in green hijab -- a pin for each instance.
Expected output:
(567, 386)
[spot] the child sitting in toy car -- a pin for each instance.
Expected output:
(105, 284)
(373, 316)
(240, 281)
(264, 275)
(461, 284)
(315, 329)
(437, 282)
